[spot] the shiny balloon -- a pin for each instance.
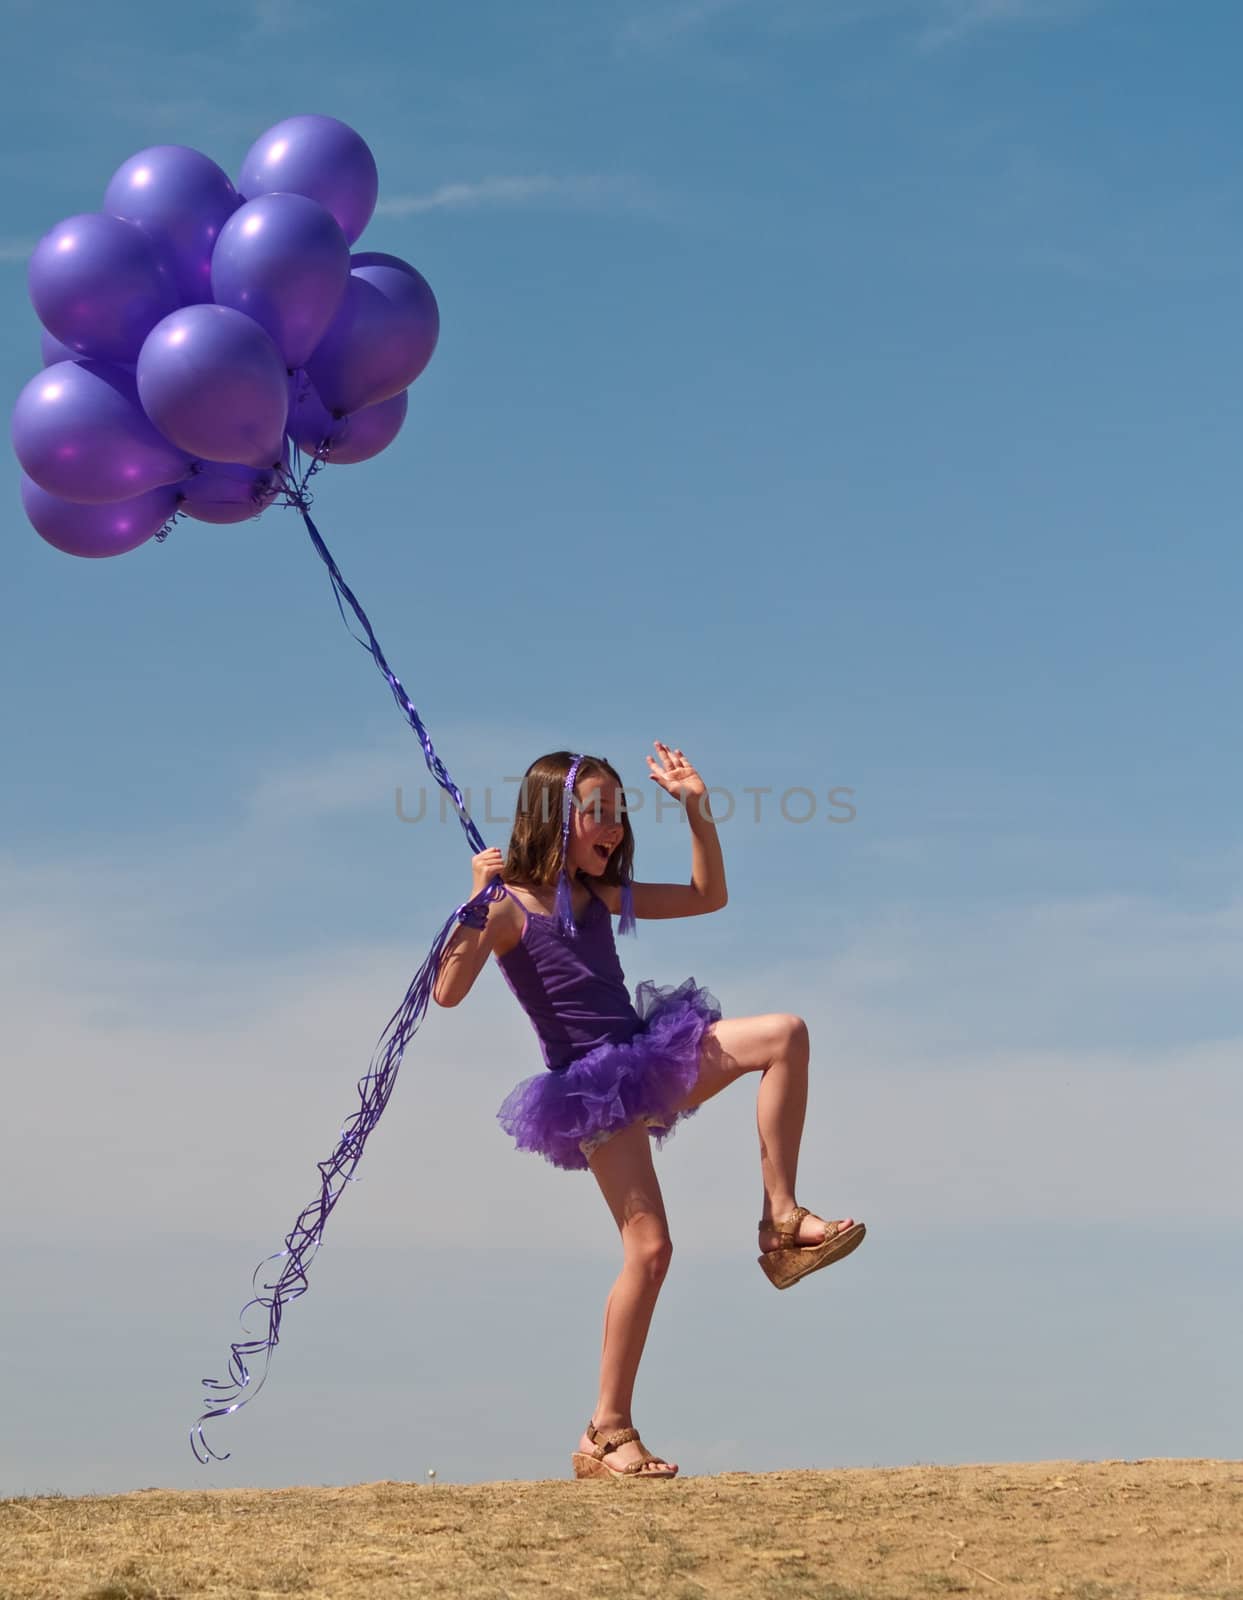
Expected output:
(80, 433)
(181, 199)
(98, 530)
(283, 260)
(224, 492)
(321, 158)
(99, 285)
(382, 337)
(212, 380)
(340, 441)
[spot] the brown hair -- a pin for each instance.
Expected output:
(534, 855)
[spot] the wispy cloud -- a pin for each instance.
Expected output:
(954, 20)
(363, 781)
(1064, 219)
(277, 16)
(168, 1109)
(937, 23)
(590, 192)
(671, 22)
(999, 1037)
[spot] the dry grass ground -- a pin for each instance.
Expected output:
(1085, 1531)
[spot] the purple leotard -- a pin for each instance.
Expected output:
(610, 1062)
(573, 990)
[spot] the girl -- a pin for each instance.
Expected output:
(621, 1076)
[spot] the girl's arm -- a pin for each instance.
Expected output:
(468, 948)
(706, 890)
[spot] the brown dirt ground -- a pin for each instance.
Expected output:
(1083, 1530)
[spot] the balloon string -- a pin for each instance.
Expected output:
(304, 1240)
(296, 496)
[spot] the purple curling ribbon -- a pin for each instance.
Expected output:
(304, 1239)
(306, 1236)
(565, 909)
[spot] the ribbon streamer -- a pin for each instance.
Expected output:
(306, 1236)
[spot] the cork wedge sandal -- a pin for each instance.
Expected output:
(790, 1262)
(595, 1465)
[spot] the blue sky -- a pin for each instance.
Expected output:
(846, 393)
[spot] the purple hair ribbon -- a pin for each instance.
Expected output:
(564, 904)
(626, 923)
(565, 908)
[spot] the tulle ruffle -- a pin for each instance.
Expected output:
(616, 1084)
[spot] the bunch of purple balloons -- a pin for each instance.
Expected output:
(194, 332)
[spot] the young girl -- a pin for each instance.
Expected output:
(621, 1076)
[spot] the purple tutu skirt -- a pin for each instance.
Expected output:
(616, 1084)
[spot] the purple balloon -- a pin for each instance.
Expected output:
(283, 260)
(181, 199)
(224, 492)
(100, 530)
(99, 285)
(380, 340)
(321, 158)
(80, 433)
(343, 440)
(211, 379)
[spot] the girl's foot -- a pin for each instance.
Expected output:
(624, 1454)
(811, 1230)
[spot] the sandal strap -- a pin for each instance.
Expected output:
(787, 1229)
(620, 1437)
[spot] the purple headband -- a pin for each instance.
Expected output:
(565, 909)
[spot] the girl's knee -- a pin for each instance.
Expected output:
(650, 1249)
(656, 1260)
(794, 1032)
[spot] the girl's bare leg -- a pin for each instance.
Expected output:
(623, 1168)
(778, 1047)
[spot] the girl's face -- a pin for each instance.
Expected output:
(595, 825)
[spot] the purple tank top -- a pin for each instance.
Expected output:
(573, 990)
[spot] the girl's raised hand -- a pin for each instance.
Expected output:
(675, 774)
(484, 867)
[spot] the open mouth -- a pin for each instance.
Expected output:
(602, 851)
